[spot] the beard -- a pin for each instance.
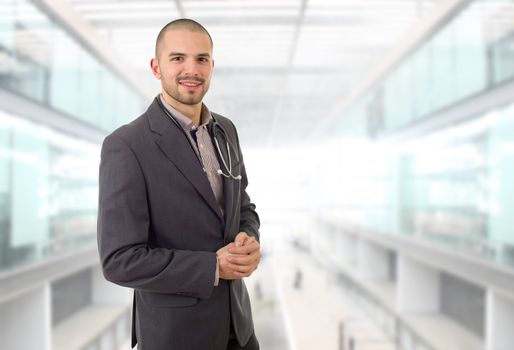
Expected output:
(186, 97)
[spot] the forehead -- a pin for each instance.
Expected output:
(186, 41)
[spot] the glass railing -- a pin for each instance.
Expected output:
(452, 188)
(403, 336)
(48, 192)
(48, 179)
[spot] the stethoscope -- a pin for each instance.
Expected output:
(215, 130)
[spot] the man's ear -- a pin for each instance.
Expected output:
(154, 64)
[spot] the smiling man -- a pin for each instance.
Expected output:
(175, 221)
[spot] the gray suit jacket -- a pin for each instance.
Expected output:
(159, 227)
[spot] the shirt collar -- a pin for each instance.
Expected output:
(185, 122)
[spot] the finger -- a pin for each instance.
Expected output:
(249, 240)
(242, 274)
(248, 259)
(241, 268)
(245, 249)
(226, 248)
(245, 259)
(247, 274)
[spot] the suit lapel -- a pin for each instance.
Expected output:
(175, 145)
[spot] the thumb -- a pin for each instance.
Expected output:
(240, 239)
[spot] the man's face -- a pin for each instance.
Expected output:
(184, 66)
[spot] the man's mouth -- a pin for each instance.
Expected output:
(190, 82)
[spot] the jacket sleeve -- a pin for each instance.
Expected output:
(123, 229)
(249, 219)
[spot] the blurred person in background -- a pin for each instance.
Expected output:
(175, 222)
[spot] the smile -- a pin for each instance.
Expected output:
(190, 83)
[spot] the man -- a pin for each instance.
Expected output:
(173, 224)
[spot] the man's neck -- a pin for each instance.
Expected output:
(193, 112)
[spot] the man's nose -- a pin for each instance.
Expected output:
(191, 67)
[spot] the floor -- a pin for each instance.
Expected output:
(299, 306)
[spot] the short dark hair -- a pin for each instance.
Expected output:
(181, 23)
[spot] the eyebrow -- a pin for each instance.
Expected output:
(183, 54)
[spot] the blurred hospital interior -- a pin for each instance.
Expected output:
(378, 138)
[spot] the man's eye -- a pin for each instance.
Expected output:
(203, 59)
(176, 59)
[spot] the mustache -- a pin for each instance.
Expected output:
(200, 80)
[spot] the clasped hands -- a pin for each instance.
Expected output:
(240, 258)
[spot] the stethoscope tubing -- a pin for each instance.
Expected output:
(216, 128)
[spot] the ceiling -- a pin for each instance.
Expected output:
(280, 65)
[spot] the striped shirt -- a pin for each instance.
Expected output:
(202, 144)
